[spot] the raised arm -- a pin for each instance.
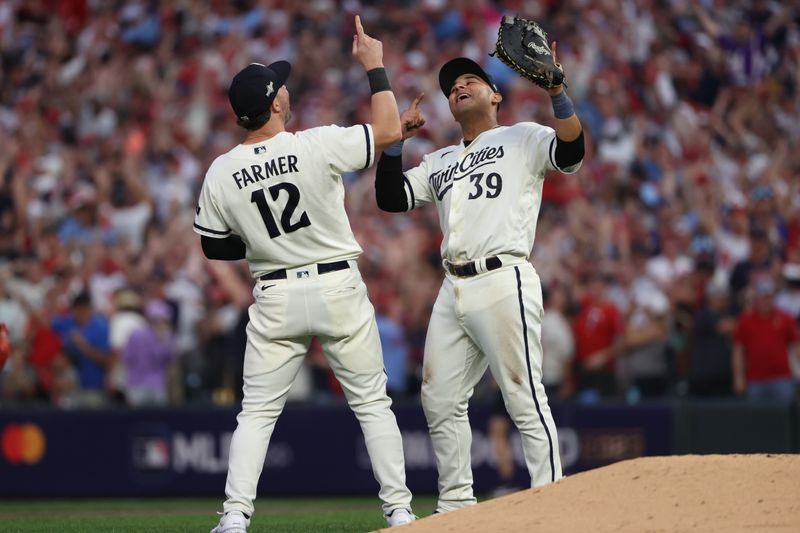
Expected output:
(389, 189)
(384, 112)
(569, 132)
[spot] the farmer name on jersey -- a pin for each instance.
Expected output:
(442, 180)
(268, 169)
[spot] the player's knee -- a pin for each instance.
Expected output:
(437, 408)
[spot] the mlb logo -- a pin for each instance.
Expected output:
(151, 453)
(260, 149)
(303, 274)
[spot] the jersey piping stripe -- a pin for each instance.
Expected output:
(530, 375)
(207, 230)
(369, 146)
(410, 192)
(550, 154)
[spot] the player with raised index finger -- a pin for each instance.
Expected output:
(277, 200)
(487, 190)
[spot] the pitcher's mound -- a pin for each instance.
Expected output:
(709, 493)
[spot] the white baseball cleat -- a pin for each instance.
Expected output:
(233, 522)
(400, 517)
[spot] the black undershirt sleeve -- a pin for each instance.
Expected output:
(569, 153)
(389, 188)
(228, 249)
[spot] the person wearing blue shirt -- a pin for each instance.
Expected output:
(85, 339)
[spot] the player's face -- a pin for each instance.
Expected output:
(470, 95)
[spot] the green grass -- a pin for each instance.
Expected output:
(286, 515)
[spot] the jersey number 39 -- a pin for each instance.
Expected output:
(494, 185)
(260, 199)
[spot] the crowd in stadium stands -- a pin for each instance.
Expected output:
(670, 262)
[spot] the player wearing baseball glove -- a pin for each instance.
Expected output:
(522, 45)
(487, 190)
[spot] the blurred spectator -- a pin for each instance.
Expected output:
(731, 238)
(670, 264)
(17, 379)
(788, 299)
(12, 314)
(84, 336)
(764, 339)
(711, 344)
(57, 381)
(558, 345)
(147, 356)
(125, 319)
(759, 263)
(598, 329)
(5, 345)
(82, 226)
(395, 348)
(644, 362)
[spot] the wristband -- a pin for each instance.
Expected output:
(378, 80)
(562, 105)
(394, 150)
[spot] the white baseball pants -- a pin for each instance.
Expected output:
(334, 307)
(492, 319)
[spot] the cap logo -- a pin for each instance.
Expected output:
(270, 89)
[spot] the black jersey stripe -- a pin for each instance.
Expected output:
(369, 145)
(207, 230)
(410, 192)
(550, 154)
(530, 375)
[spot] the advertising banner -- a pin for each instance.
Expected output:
(314, 450)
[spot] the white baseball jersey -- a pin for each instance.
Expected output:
(488, 195)
(285, 198)
(502, 168)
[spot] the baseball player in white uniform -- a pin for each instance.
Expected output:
(488, 190)
(277, 200)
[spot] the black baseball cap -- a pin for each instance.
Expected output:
(255, 86)
(458, 66)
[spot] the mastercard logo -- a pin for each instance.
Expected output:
(23, 443)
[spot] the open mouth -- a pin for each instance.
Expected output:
(461, 97)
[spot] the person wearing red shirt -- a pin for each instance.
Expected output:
(598, 329)
(764, 338)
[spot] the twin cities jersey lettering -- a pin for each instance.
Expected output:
(503, 168)
(285, 198)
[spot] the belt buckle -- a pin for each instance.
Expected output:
(462, 270)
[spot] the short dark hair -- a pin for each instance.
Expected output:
(252, 124)
(82, 299)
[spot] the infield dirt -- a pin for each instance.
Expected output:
(710, 493)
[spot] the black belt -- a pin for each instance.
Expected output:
(322, 268)
(467, 270)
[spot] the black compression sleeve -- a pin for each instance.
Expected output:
(389, 190)
(569, 153)
(228, 249)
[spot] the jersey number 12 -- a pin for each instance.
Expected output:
(260, 199)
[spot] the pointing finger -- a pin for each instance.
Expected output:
(359, 27)
(553, 46)
(417, 100)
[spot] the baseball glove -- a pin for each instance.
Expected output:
(522, 45)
